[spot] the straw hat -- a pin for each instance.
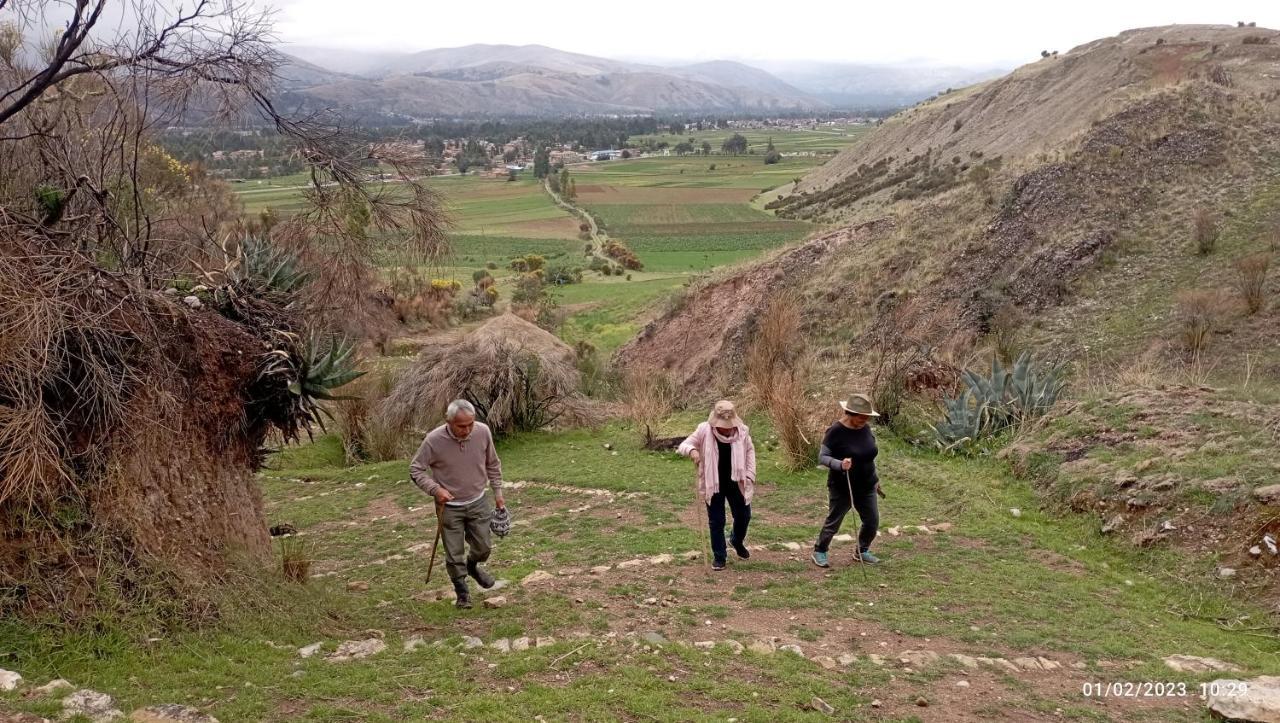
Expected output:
(724, 415)
(859, 404)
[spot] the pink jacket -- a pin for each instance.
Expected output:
(703, 439)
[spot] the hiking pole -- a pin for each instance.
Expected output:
(861, 563)
(703, 522)
(439, 526)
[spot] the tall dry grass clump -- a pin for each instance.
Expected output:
(1199, 312)
(777, 372)
(649, 397)
(1204, 231)
(366, 437)
(519, 378)
(1252, 280)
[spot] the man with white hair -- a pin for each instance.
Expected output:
(454, 464)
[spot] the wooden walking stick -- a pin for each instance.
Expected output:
(861, 563)
(439, 526)
(702, 517)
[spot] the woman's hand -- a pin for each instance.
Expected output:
(847, 464)
(696, 456)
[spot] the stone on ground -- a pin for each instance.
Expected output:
(9, 680)
(356, 650)
(705, 644)
(1027, 663)
(629, 563)
(537, 576)
(310, 650)
(962, 684)
(1197, 664)
(822, 706)
(496, 601)
(91, 704)
(762, 647)
(601, 569)
(791, 649)
(847, 659)
(654, 639)
(965, 660)
(843, 537)
(662, 559)
(413, 643)
(470, 642)
(502, 645)
(544, 642)
(792, 546)
(918, 658)
(825, 661)
(520, 644)
(54, 687)
(1251, 700)
(171, 713)
(358, 586)
(1268, 494)
(734, 646)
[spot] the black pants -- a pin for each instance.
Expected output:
(866, 505)
(732, 494)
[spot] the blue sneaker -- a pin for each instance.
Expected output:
(869, 558)
(820, 559)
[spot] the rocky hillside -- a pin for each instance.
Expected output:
(1054, 210)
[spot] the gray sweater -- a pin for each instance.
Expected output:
(460, 466)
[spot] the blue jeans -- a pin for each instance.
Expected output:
(732, 494)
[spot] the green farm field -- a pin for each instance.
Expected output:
(683, 215)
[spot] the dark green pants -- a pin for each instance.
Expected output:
(466, 527)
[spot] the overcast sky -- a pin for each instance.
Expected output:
(949, 31)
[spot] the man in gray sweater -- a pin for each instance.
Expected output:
(454, 464)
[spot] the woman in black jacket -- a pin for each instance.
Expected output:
(849, 452)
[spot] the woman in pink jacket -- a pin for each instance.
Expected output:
(726, 459)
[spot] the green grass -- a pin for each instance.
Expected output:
(1036, 585)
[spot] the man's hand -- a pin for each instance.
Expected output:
(499, 502)
(443, 495)
(696, 456)
(846, 464)
(880, 491)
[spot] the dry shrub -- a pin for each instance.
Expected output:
(1252, 280)
(519, 378)
(365, 436)
(1199, 311)
(649, 396)
(1204, 231)
(295, 562)
(777, 370)
(416, 297)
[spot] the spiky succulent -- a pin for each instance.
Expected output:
(325, 365)
(297, 374)
(269, 267)
(991, 404)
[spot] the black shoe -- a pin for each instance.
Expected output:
(464, 596)
(482, 576)
(741, 549)
(718, 565)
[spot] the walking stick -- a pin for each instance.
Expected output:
(861, 563)
(439, 526)
(702, 518)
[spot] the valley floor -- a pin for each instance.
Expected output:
(984, 607)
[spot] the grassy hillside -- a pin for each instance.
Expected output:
(1027, 589)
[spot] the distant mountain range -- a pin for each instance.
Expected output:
(508, 80)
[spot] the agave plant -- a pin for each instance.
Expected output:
(298, 374)
(268, 267)
(991, 404)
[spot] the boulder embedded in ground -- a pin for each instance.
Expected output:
(822, 706)
(662, 559)
(356, 650)
(544, 642)
(9, 680)
(1268, 495)
(496, 601)
(1197, 664)
(791, 649)
(847, 659)
(310, 650)
(1250, 700)
(53, 687)
(792, 546)
(537, 576)
(502, 645)
(91, 704)
(171, 713)
(629, 563)
(762, 647)
(358, 586)
(654, 639)
(601, 569)
(413, 643)
(1226, 573)
(733, 645)
(470, 642)
(825, 661)
(520, 644)
(965, 660)
(918, 658)
(1112, 524)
